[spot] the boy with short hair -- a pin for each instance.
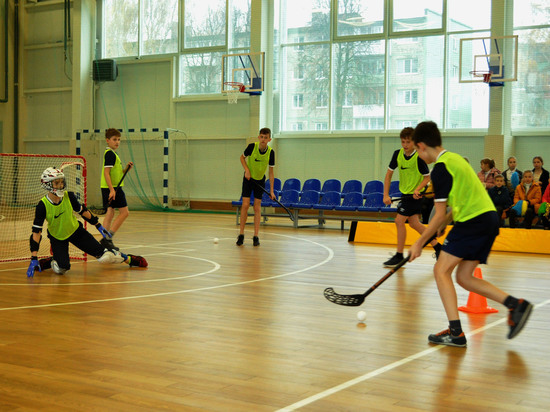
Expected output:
(468, 243)
(501, 197)
(414, 175)
(57, 207)
(111, 176)
(257, 157)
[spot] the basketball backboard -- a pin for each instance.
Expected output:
(245, 68)
(497, 54)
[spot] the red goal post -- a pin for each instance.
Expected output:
(20, 192)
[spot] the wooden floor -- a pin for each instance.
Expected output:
(215, 327)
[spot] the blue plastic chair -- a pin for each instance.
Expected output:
(292, 183)
(308, 199)
(373, 202)
(276, 186)
(394, 189)
(373, 186)
(331, 185)
(329, 201)
(267, 201)
(289, 197)
(312, 184)
(352, 186)
(352, 201)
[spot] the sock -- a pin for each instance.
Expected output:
(511, 302)
(399, 255)
(437, 247)
(455, 327)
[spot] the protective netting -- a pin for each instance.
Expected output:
(20, 192)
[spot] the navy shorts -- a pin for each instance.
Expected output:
(473, 239)
(251, 185)
(409, 206)
(118, 202)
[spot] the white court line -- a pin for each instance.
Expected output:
(391, 366)
(226, 285)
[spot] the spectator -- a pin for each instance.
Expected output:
(501, 198)
(540, 174)
(544, 209)
(512, 168)
(528, 191)
(488, 172)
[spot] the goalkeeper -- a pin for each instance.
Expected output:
(57, 207)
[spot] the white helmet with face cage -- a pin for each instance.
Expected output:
(48, 176)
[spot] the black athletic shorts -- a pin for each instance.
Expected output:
(473, 239)
(251, 185)
(118, 202)
(409, 206)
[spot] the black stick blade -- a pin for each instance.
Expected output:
(344, 300)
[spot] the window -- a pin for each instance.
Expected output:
(407, 66)
(297, 126)
(417, 15)
(126, 34)
(321, 126)
(298, 72)
(204, 23)
(322, 100)
(407, 97)
(298, 101)
(360, 17)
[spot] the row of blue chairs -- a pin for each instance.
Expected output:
(334, 185)
(331, 200)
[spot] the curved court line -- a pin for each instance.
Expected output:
(116, 282)
(387, 368)
(226, 285)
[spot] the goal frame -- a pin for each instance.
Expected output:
(74, 253)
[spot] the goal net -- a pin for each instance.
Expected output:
(20, 192)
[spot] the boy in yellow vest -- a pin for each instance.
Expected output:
(414, 175)
(57, 207)
(111, 175)
(469, 242)
(257, 157)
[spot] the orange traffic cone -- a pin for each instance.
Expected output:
(477, 303)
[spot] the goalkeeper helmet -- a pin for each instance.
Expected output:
(48, 177)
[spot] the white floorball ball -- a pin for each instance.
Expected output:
(216, 240)
(361, 316)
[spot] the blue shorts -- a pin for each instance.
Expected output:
(118, 202)
(409, 206)
(473, 239)
(251, 185)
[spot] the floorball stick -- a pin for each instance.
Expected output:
(126, 170)
(280, 204)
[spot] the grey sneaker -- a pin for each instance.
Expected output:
(445, 338)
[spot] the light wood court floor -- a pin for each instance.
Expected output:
(215, 327)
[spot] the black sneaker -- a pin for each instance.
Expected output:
(240, 240)
(256, 241)
(393, 261)
(108, 244)
(517, 318)
(445, 338)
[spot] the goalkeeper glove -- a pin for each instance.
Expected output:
(33, 266)
(104, 232)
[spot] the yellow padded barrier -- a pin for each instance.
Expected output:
(509, 240)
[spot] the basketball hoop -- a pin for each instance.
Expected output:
(233, 93)
(486, 74)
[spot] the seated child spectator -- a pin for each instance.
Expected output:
(528, 191)
(488, 172)
(540, 174)
(544, 209)
(512, 168)
(501, 198)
